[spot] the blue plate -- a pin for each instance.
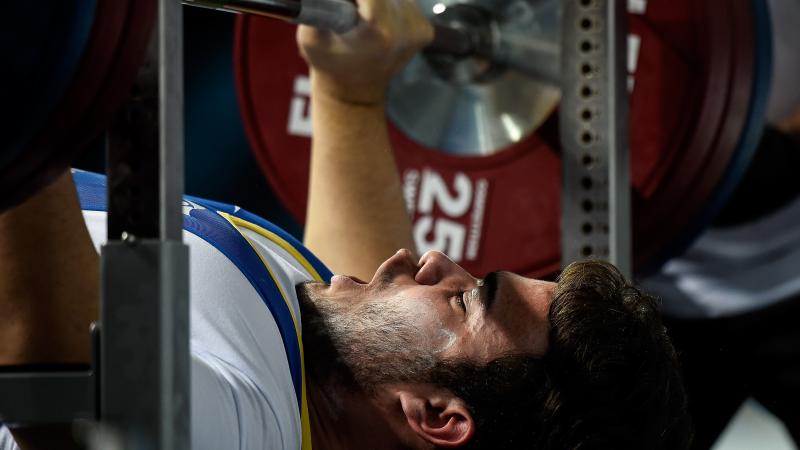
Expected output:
(42, 43)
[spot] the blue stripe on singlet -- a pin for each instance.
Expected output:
(210, 226)
(323, 271)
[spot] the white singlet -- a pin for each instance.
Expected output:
(246, 355)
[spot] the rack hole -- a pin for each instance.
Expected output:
(587, 228)
(586, 182)
(586, 23)
(587, 206)
(587, 250)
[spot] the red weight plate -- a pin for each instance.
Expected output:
(695, 175)
(657, 212)
(108, 66)
(495, 189)
(660, 122)
(502, 210)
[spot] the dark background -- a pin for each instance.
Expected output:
(219, 164)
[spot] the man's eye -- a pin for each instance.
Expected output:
(460, 300)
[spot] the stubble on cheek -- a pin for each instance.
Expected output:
(445, 339)
(374, 342)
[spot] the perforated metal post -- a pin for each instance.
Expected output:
(594, 133)
(144, 351)
(144, 385)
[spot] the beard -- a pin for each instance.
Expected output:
(361, 347)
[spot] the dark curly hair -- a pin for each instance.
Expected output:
(609, 380)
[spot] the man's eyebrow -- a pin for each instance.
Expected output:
(489, 290)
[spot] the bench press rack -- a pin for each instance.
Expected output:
(138, 385)
(593, 115)
(136, 393)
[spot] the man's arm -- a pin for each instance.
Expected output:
(356, 213)
(49, 282)
(49, 290)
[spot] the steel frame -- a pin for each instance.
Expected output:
(140, 387)
(595, 199)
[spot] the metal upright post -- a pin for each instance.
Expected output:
(144, 350)
(594, 133)
(144, 386)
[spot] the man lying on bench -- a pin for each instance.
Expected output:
(421, 356)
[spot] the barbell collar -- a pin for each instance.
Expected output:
(538, 59)
(451, 40)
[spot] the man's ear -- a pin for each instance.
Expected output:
(438, 417)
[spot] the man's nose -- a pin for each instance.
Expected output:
(436, 267)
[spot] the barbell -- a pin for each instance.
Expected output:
(477, 144)
(463, 31)
(475, 137)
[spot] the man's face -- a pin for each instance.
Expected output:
(434, 308)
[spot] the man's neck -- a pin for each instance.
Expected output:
(345, 420)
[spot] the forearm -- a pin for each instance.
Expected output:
(356, 216)
(49, 281)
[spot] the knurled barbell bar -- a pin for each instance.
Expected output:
(463, 32)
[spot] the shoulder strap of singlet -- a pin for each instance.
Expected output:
(219, 224)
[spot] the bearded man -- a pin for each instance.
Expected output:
(286, 355)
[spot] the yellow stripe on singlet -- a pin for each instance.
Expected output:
(238, 222)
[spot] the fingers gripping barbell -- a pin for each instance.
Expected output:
(463, 34)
